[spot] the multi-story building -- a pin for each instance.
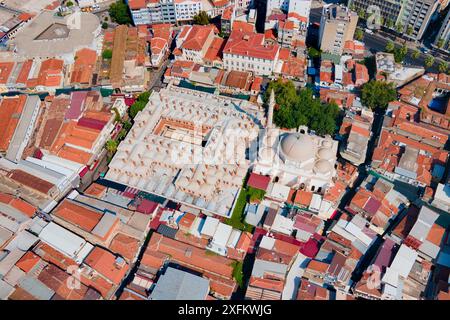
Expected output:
(337, 25)
(444, 34)
(246, 51)
(411, 17)
(416, 17)
(193, 42)
(187, 9)
(163, 11)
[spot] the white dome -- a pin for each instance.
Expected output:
(323, 167)
(327, 143)
(325, 153)
(298, 147)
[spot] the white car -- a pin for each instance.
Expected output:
(367, 30)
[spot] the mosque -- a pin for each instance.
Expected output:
(297, 159)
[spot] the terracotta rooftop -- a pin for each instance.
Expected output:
(125, 245)
(10, 109)
(83, 67)
(189, 255)
(78, 215)
(197, 37)
(107, 265)
(250, 44)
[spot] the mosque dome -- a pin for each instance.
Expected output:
(325, 153)
(327, 143)
(322, 167)
(298, 147)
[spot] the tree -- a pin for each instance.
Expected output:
(107, 54)
(139, 104)
(389, 23)
(69, 4)
(202, 18)
(119, 12)
(117, 115)
(440, 43)
(111, 146)
(399, 28)
(378, 94)
(359, 34)
(415, 54)
(361, 14)
(313, 53)
(443, 67)
(297, 108)
(400, 53)
(409, 30)
(127, 125)
(429, 61)
(390, 46)
(105, 25)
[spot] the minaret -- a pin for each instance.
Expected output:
(270, 113)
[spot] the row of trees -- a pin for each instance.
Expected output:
(401, 52)
(138, 105)
(299, 107)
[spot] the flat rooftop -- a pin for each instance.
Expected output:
(49, 35)
(178, 148)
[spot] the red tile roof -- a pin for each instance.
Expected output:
(214, 52)
(78, 215)
(83, 67)
(189, 255)
(106, 264)
(197, 37)
(10, 109)
(5, 71)
(251, 45)
(258, 181)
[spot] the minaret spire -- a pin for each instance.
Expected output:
(270, 113)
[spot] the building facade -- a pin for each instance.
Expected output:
(444, 34)
(411, 17)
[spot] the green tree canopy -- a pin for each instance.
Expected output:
(429, 61)
(415, 54)
(400, 53)
(202, 18)
(389, 23)
(378, 94)
(359, 34)
(119, 12)
(409, 30)
(440, 43)
(139, 104)
(107, 54)
(111, 146)
(390, 46)
(299, 107)
(443, 67)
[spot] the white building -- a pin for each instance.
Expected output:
(189, 146)
(187, 9)
(297, 159)
(247, 52)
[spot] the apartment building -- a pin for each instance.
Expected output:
(444, 33)
(152, 11)
(412, 16)
(337, 25)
